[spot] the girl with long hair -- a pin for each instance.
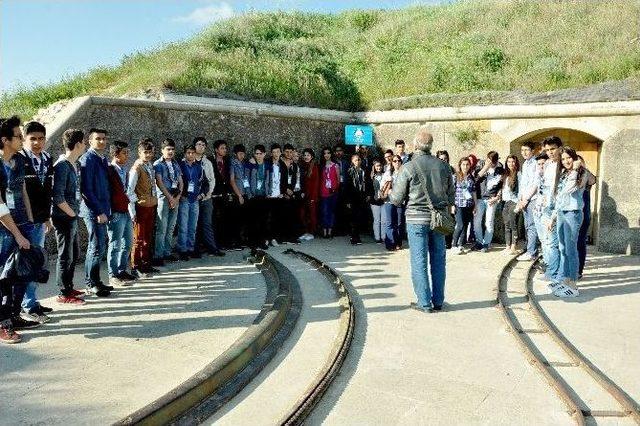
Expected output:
(329, 185)
(567, 218)
(311, 193)
(392, 216)
(510, 199)
(377, 201)
(465, 203)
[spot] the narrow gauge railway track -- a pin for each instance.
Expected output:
(342, 343)
(523, 308)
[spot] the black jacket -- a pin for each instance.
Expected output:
(26, 266)
(358, 186)
(39, 191)
(222, 185)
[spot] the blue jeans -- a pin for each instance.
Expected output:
(568, 228)
(328, 210)
(7, 246)
(95, 251)
(165, 224)
(120, 231)
(550, 250)
(376, 212)
(464, 216)
(30, 299)
(428, 264)
(483, 206)
(187, 225)
(530, 228)
(391, 222)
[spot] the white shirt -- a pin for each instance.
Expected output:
(528, 183)
(275, 180)
(549, 179)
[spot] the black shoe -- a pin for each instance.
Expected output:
(436, 308)
(105, 287)
(149, 270)
(218, 253)
(195, 255)
(20, 323)
(171, 258)
(45, 309)
(125, 276)
(158, 262)
(138, 274)
(184, 256)
(98, 291)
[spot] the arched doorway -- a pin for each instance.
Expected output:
(587, 145)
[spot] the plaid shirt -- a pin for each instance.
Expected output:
(466, 187)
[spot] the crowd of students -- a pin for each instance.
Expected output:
(255, 200)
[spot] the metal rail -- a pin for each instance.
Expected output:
(547, 368)
(313, 394)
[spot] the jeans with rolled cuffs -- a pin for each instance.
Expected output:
(427, 252)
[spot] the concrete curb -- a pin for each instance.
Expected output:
(225, 367)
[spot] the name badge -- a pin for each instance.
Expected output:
(192, 187)
(259, 185)
(245, 182)
(11, 202)
(467, 195)
(327, 183)
(289, 180)
(174, 185)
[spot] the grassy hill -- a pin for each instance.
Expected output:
(354, 60)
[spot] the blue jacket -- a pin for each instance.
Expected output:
(94, 185)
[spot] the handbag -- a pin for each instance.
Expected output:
(441, 221)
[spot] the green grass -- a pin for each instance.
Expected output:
(358, 59)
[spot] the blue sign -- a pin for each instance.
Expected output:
(358, 135)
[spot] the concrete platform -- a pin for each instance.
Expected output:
(461, 366)
(95, 364)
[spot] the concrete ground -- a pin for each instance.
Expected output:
(96, 363)
(460, 366)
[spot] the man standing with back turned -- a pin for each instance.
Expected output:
(426, 182)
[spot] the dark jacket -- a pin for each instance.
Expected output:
(26, 266)
(119, 198)
(39, 191)
(253, 180)
(222, 185)
(358, 186)
(489, 185)
(423, 171)
(94, 185)
(65, 188)
(290, 176)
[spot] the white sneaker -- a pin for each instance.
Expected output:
(552, 287)
(565, 291)
(274, 243)
(525, 257)
(310, 237)
(458, 250)
(302, 237)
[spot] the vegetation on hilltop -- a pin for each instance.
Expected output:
(354, 60)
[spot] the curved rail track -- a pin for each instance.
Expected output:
(541, 341)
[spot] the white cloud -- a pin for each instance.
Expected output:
(208, 14)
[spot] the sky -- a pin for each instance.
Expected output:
(43, 41)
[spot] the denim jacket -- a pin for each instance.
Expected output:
(94, 185)
(161, 168)
(569, 194)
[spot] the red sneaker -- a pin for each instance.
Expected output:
(76, 293)
(7, 334)
(71, 300)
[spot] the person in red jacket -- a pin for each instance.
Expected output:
(119, 227)
(311, 195)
